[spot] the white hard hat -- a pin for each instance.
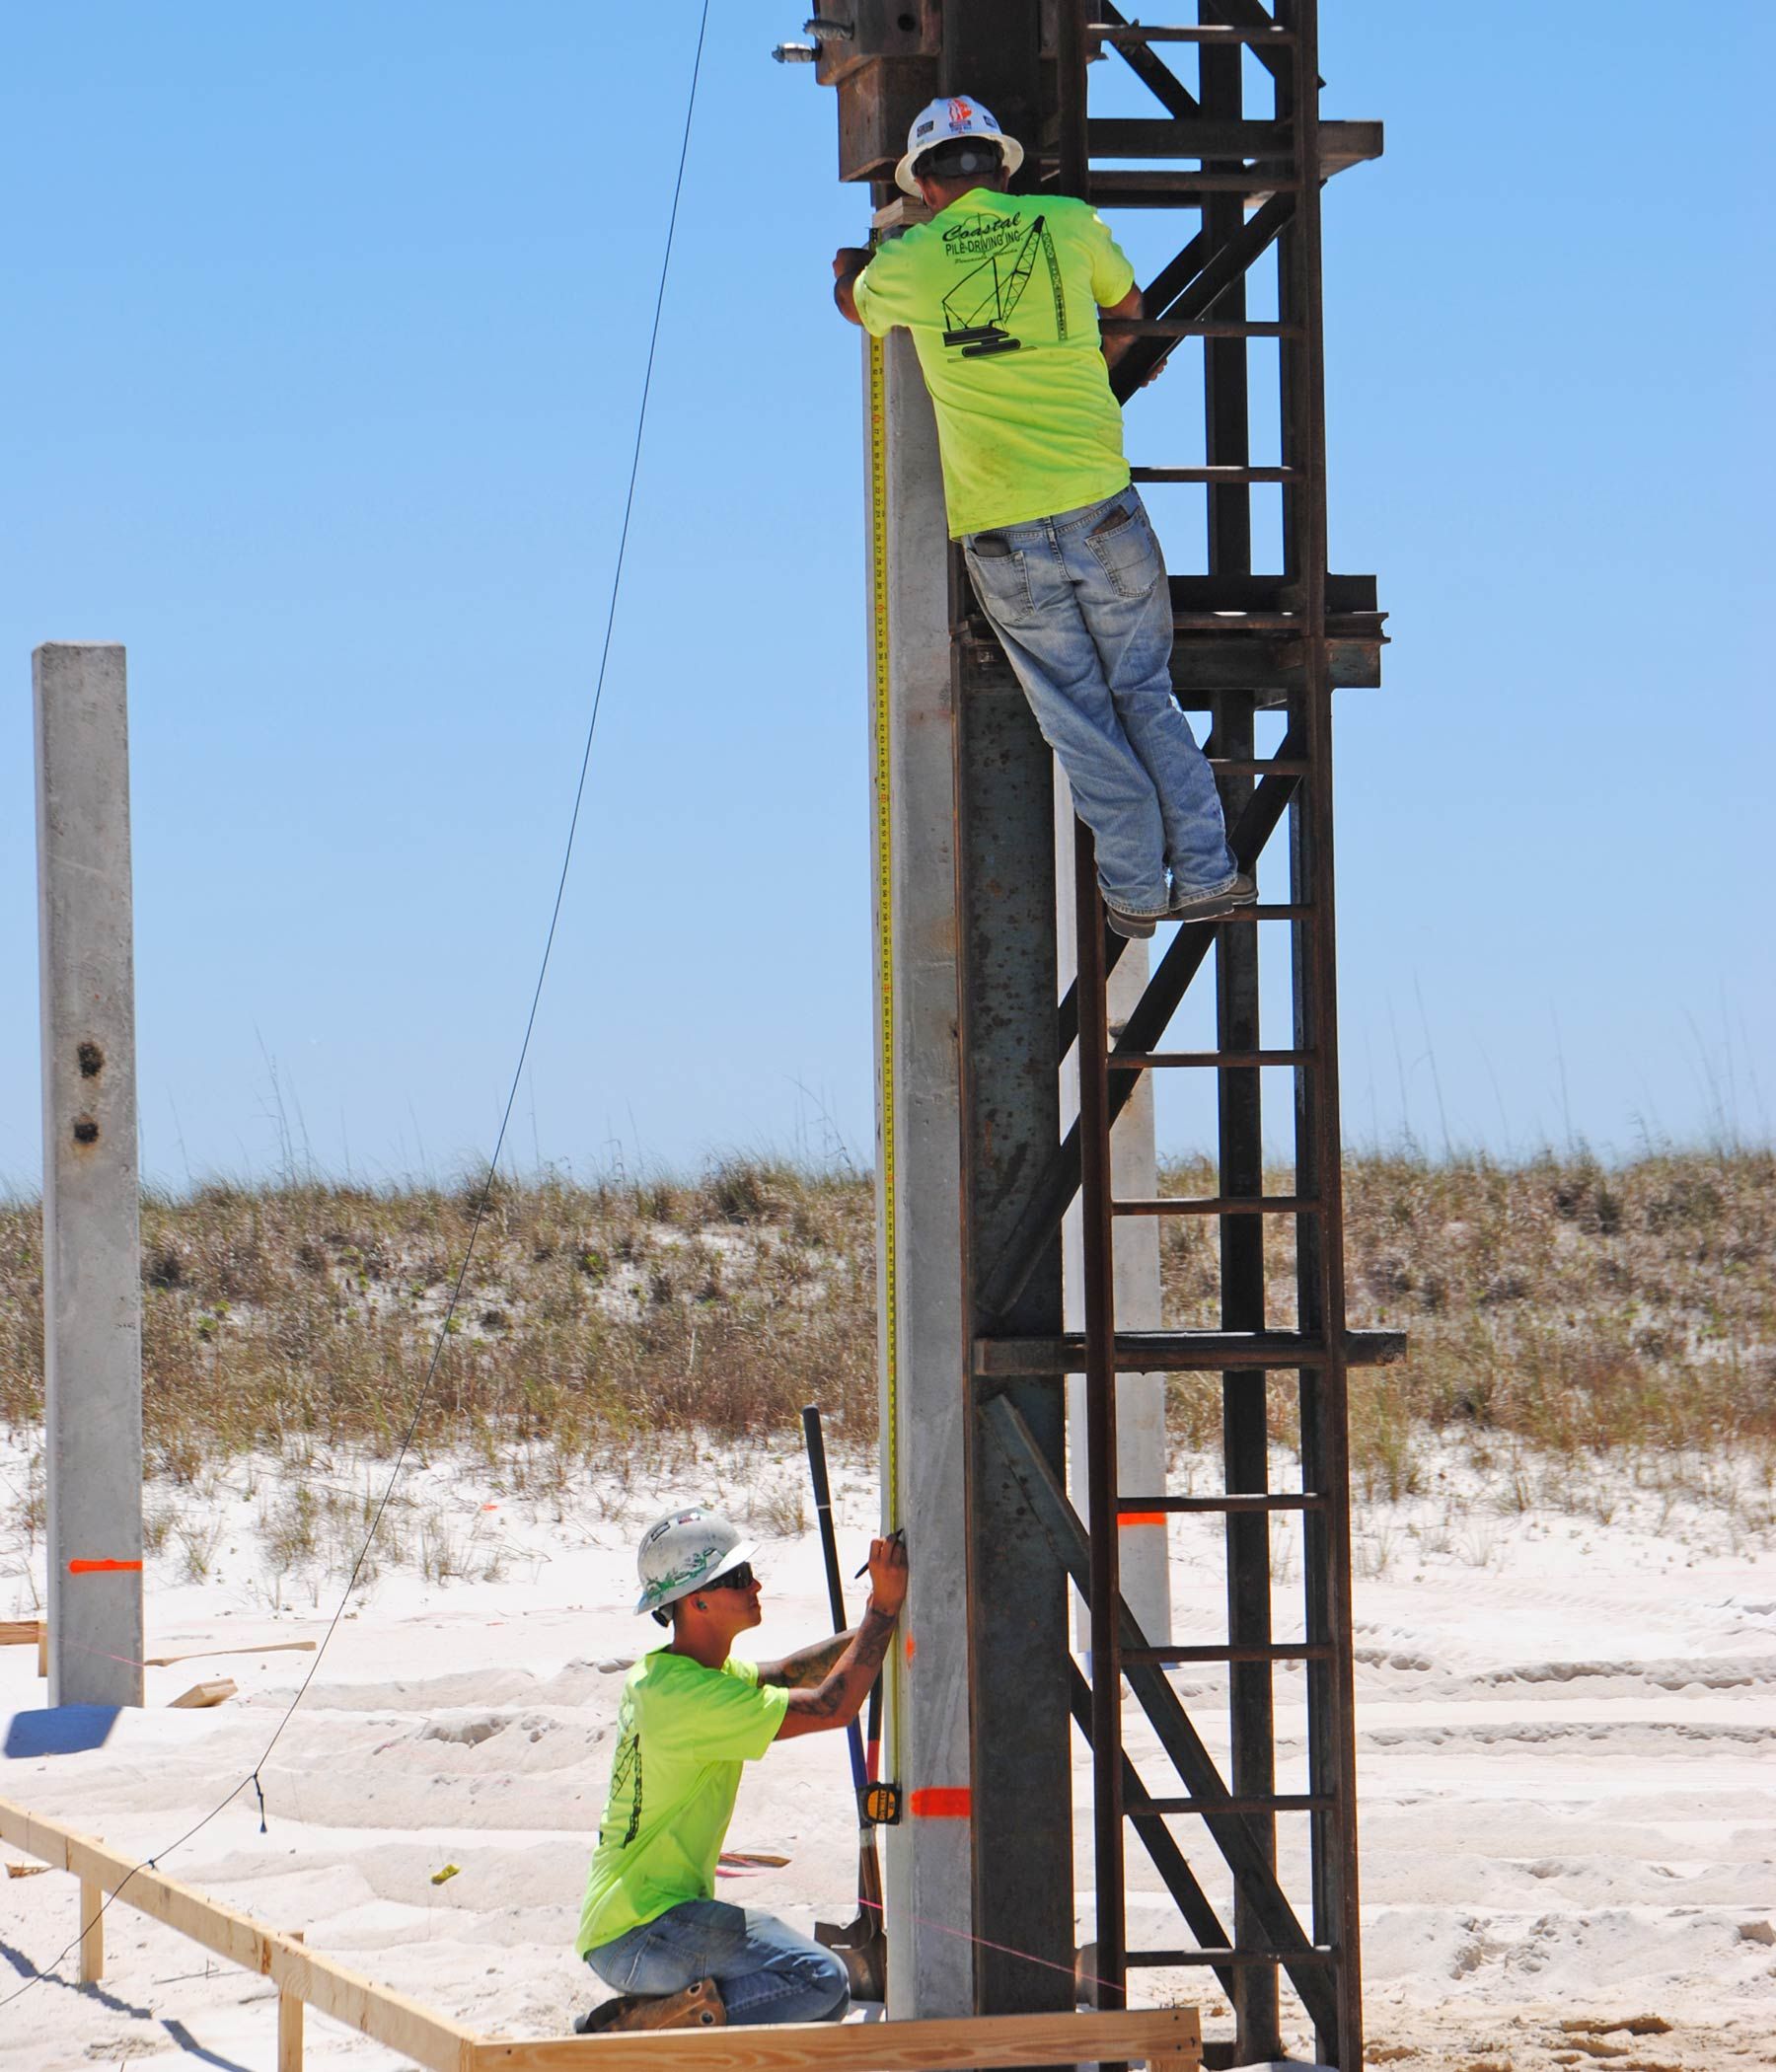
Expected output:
(953, 116)
(685, 1550)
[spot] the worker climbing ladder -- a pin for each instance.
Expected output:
(979, 1171)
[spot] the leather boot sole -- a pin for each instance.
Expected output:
(699, 2006)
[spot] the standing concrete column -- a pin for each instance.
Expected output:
(92, 1246)
(929, 1858)
(1134, 1173)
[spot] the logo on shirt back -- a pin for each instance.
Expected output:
(984, 298)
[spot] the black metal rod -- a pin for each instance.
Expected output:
(1208, 1060)
(1277, 1802)
(1253, 1650)
(1166, 1960)
(1281, 1500)
(829, 1550)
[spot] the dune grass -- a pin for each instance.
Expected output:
(1557, 1304)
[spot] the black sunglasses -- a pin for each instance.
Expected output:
(735, 1579)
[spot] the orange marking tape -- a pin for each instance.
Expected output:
(911, 1646)
(102, 1568)
(943, 1802)
(1141, 1517)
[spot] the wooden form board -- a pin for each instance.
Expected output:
(1168, 2040)
(431, 2041)
(1168, 2036)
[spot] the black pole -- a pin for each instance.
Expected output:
(829, 1548)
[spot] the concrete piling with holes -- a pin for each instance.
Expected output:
(92, 1241)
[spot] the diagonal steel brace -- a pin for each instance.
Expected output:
(1237, 1842)
(1155, 1010)
(1167, 1858)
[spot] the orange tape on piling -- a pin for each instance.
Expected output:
(1141, 1517)
(102, 1568)
(943, 1802)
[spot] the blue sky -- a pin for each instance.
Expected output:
(326, 334)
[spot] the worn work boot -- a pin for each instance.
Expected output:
(1134, 926)
(699, 2006)
(1187, 904)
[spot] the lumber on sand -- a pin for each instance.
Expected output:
(388, 2018)
(165, 1662)
(1168, 2036)
(200, 1695)
(20, 1633)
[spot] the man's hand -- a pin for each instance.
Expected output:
(847, 262)
(888, 1574)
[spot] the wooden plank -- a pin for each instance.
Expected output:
(20, 1633)
(388, 2018)
(165, 1662)
(957, 2044)
(215, 1692)
(91, 1932)
(289, 2026)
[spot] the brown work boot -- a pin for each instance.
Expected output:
(699, 2006)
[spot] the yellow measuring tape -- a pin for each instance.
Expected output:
(884, 834)
(889, 1292)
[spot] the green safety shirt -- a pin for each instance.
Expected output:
(682, 1734)
(1027, 429)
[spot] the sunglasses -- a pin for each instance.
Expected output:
(741, 1577)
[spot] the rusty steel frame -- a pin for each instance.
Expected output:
(1246, 642)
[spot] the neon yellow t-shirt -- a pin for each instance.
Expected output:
(1025, 428)
(682, 1734)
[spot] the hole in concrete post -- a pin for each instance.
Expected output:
(92, 1060)
(86, 1130)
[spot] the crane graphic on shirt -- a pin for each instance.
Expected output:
(985, 297)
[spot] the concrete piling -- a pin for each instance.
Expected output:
(92, 1242)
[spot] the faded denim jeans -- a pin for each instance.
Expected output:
(1081, 607)
(766, 1972)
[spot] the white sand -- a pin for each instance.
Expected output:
(1569, 1777)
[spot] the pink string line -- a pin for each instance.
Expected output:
(1004, 1949)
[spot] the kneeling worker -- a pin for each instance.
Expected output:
(691, 1714)
(1001, 294)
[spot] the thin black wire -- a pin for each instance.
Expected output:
(487, 1193)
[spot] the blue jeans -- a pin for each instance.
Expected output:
(766, 1972)
(1081, 607)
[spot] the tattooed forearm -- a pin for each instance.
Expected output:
(838, 1696)
(807, 1667)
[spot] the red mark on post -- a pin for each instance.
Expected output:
(943, 1802)
(103, 1568)
(1141, 1517)
(909, 1647)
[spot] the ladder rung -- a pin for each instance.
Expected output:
(1184, 1351)
(1210, 1061)
(1166, 1960)
(1283, 1802)
(1232, 1651)
(1206, 33)
(1195, 327)
(1220, 1205)
(1242, 622)
(1232, 1501)
(1152, 189)
(1239, 913)
(1217, 477)
(1254, 766)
